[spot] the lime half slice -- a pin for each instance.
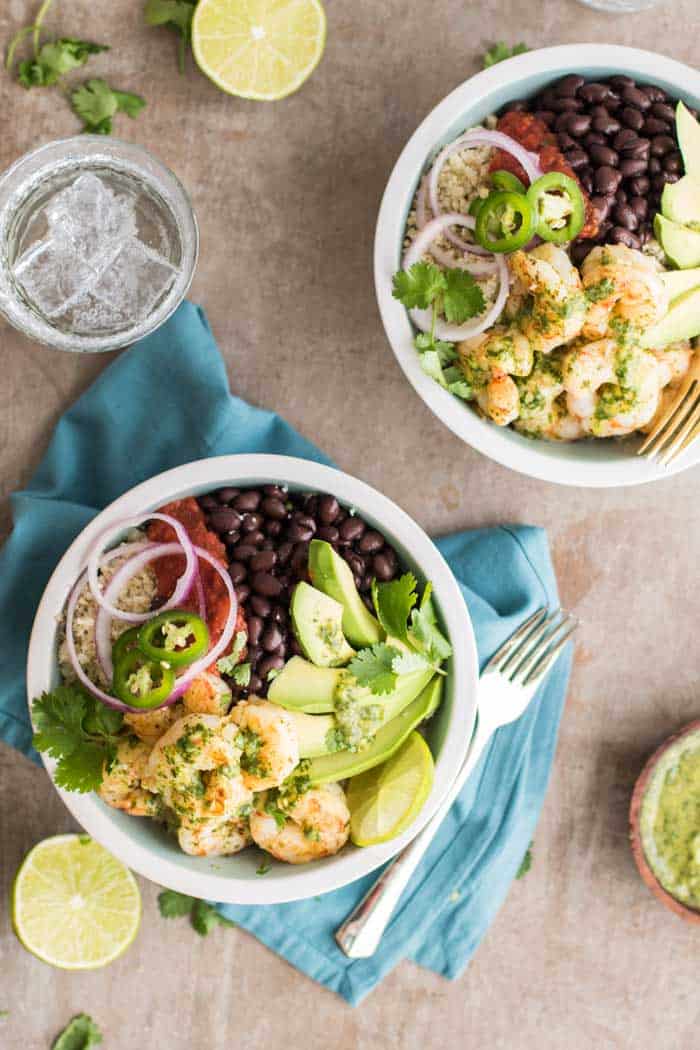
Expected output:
(260, 49)
(73, 905)
(385, 800)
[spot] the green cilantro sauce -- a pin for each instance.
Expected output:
(670, 821)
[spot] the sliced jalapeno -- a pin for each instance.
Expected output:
(505, 222)
(176, 638)
(140, 681)
(475, 206)
(506, 180)
(126, 641)
(558, 206)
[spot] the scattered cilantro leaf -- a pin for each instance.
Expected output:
(76, 729)
(462, 297)
(446, 351)
(393, 603)
(429, 639)
(418, 286)
(431, 365)
(79, 1034)
(406, 663)
(56, 59)
(273, 810)
(4, 1014)
(264, 867)
(525, 863)
(227, 664)
(176, 15)
(96, 103)
(373, 667)
(500, 52)
(203, 916)
(241, 675)
(173, 905)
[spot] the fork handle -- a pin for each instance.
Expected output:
(360, 934)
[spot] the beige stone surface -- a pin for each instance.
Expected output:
(581, 956)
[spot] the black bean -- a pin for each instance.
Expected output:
(606, 125)
(329, 533)
(602, 205)
(265, 584)
(640, 206)
(263, 561)
(603, 231)
(237, 571)
(298, 533)
(367, 599)
(275, 492)
(620, 82)
(224, 519)
(654, 93)
(244, 551)
(365, 583)
(664, 112)
(653, 126)
(568, 85)
(371, 542)
(352, 529)
(659, 181)
(640, 148)
(270, 663)
(260, 606)
(227, 494)
(545, 115)
(271, 639)
(594, 138)
(300, 558)
(632, 118)
(607, 180)
(328, 508)
(603, 155)
(256, 538)
(284, 552)
(654, 165)
(639, 186)
(279, 615)
(594, 93)
(621, 235)
(561, 124)
(356, 563)
(580, 249)
(661, 145)
(673, 161)
(306, 522)
(634, 97)
(561, 105)
(251, 522)
(384, 564)
(208, 502)
(249, 500)
(585, 177)
(273, 528)
(255, 630)
(242, 592)
(625, 216)
(565, 141)
(254, 685)
(578, 124)
(621, 197)
(633, 166)
(576, 158)
(273, 507)
(623, 138)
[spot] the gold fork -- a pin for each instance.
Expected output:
(679, 425)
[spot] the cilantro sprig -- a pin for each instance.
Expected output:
(96, 103)
(525, 863)
(80, 732)
(500, 51)
(55, 59)
(81, 1033)
(203, 917)
(175, 15)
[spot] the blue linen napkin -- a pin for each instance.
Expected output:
(505, 574)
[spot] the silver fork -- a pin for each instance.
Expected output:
(506, 686)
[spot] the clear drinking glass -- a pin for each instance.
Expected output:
(98, 243)
(620, 7)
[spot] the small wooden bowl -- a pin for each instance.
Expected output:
(677, 907)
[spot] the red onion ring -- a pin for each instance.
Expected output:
(184, 584)
(479, 137)
(478, 267)
(103, 621)
(423, 318)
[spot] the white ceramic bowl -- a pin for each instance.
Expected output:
(594, 463)
(142, 844)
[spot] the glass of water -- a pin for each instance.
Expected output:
(98, 243)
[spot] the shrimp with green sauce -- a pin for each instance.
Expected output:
(213, 838)
(122, 780)
(625, 293)
(314, 824)
(613, 390)
(548, 304)
(268, 741)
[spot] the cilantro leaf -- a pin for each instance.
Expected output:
(241, 675)
(265, 866)
(525, 863)
(79, 1034)
(55, 59)
(462, 297)
(96, 103)
(431, 365)
(373, 667)
(204, 918)
(58, 718)
(410, 661)
(174, 905)
(428, 636)
(418, 286)
(227, 664)
(446, 351)
(79, 731)
(393, 602)
(82, 770)
(176, 15)
(500, 51)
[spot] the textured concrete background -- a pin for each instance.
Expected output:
(287, 195)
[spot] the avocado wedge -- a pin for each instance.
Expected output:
(681, 322)
(301, 686)
(317, 622)
(688, 131)
(680, 243)
(679, 281)
(680, 201)
(331, 574)
(390, 737)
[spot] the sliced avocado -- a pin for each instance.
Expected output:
(680, 201)
(317, 733)
(332, 575)
(390, 737)
(681, 244)
(679, 281)
(688, 131)
(318, 625)
(681, 322)
(301, 686)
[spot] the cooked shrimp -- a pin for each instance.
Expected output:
(499, 399)
(625, 292)
(121, 785)
(500, 349)
(538, 394)
(317, 825)
(270, 744)
(213, 838)
(208, 695)
(150, 725)
(613, 390)
(555, 308)
(674, 361)
(195, 767)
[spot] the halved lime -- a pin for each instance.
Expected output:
(73, 905)
(385, 800)
(260, 49)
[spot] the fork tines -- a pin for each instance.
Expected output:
(678, 426)
(530, 651)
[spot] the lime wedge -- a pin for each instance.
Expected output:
(260, 49)
(385, 800)
(73, 905)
